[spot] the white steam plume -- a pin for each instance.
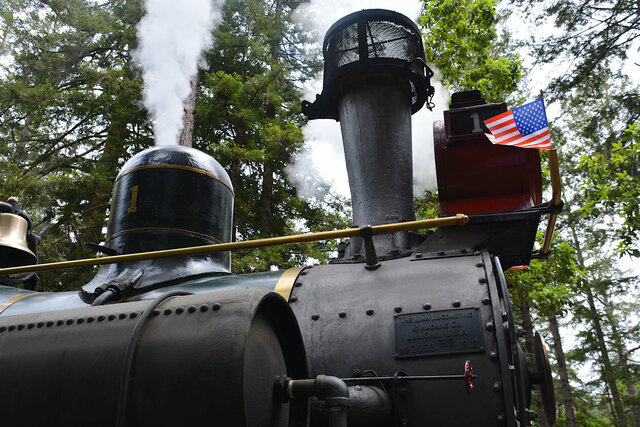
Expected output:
(323, 150)
(171, 37)
(424, 163)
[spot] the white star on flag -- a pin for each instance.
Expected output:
(524, 126)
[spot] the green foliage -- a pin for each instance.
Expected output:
(594, 34)
(248, 116)
(69, 117)
(548, 284)
(613, 183)
(461, 41)
(427, 206)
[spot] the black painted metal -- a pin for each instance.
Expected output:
(168, 197)
(376, 133)
(544, 379)
(510, 236)
(516, 358)
(373, 41)
(201, 359)
(503, 378)
(375, 77)
(369, 406)
(370, 256)
(347, 317)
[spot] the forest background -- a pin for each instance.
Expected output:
(71, 114)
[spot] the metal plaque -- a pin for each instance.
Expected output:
(438, 332)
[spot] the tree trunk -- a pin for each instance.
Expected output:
(186, 134)
(562, 371)
(623, 356)
(106, 169)
(266, 199)
(605, 361)
(632, 393)
(234, 175)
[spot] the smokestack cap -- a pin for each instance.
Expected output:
(374, 41)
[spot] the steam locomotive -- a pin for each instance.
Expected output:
(404, 328)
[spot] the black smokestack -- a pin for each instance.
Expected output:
(377, 147)
(375, 77)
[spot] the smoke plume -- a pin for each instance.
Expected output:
(171, 38)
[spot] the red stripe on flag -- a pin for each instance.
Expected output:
(509, 123)
(490, 121)
(540, 140)
(519, 139)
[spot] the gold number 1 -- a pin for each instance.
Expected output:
(134, 198)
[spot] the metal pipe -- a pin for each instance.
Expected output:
(556, 200)
(369, 406)
(407, 378)
(459, 219)
(332, 390)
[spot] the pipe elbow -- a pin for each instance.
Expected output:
(327, 387)
(330, 389)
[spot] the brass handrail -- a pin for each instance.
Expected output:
(459, 219)
(556, 200)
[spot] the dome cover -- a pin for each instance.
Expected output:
(169, 197)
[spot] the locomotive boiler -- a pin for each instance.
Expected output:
(403, 328)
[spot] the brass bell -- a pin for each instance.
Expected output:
(14, 250)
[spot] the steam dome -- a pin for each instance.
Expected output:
(169, 197)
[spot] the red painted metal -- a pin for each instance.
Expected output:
(475, 176)
(468, 376)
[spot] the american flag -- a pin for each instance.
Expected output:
(524, 126)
